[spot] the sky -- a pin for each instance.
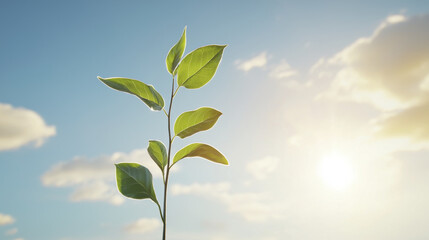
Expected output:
(325, 110)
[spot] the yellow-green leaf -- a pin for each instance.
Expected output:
(176, 53)
(158, 153)
(145, 92)
(198, 67)
(189, 123)
(200, 150)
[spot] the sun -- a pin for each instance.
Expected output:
(336, 171)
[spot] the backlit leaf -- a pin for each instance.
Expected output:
(176, 53)
(189, 123)
(200, 150)
(198, 67)
(145, 92)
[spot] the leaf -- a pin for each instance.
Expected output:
(176, 53)
(199, 66)
(200, 150)
(135, 181)
(158, 153)
(189, 123)
(145, 92)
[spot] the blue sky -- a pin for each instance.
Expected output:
(324, 119)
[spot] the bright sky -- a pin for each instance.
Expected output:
(325, 120)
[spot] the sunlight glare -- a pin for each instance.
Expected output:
(336, 171)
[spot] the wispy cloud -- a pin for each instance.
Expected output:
(251, 206)
(12, 231)
(20, 126)
(6, 219)
(93, 179)
(198, 236)
(142, 226)
(255, 62)
(283, 71)
(260, 169)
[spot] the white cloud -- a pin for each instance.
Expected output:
(142, 226)
(12, 231)
(197, 236)
(411, 123)
(395, 18)
(93, 179)
(255, 62)
(390, 71)
(19, 239)
(97, 191)
(261, 168)
(6, 219)
(283, 71)
(252, 207)
(388, 68)
(20, 126)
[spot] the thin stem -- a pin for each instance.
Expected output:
(165, 112)
(160, 212)
(171, 165)
(170, 141)
(176, 90)
(163, 176)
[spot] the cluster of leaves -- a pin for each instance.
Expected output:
(193, 71)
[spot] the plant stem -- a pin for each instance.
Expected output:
(170, 141)
(160, 212)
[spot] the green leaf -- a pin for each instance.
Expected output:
(176, 53)
(158, 153)
(200, 150)
(145, 92)
(189, 123)
(199, 66)
(135, 181)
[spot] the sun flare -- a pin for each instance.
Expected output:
(336, 171)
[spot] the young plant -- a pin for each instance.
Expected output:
(193, 71)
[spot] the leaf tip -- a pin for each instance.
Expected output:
(100, 78)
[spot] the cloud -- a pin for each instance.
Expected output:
(255, 62)
(198, 236)
(283, 71)
(260, 169)
(93, 179)
(411, 123)
(142, 226)
(252, 207)
(6, 219)
(12, 231)
(388, 69)
(20, 126)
